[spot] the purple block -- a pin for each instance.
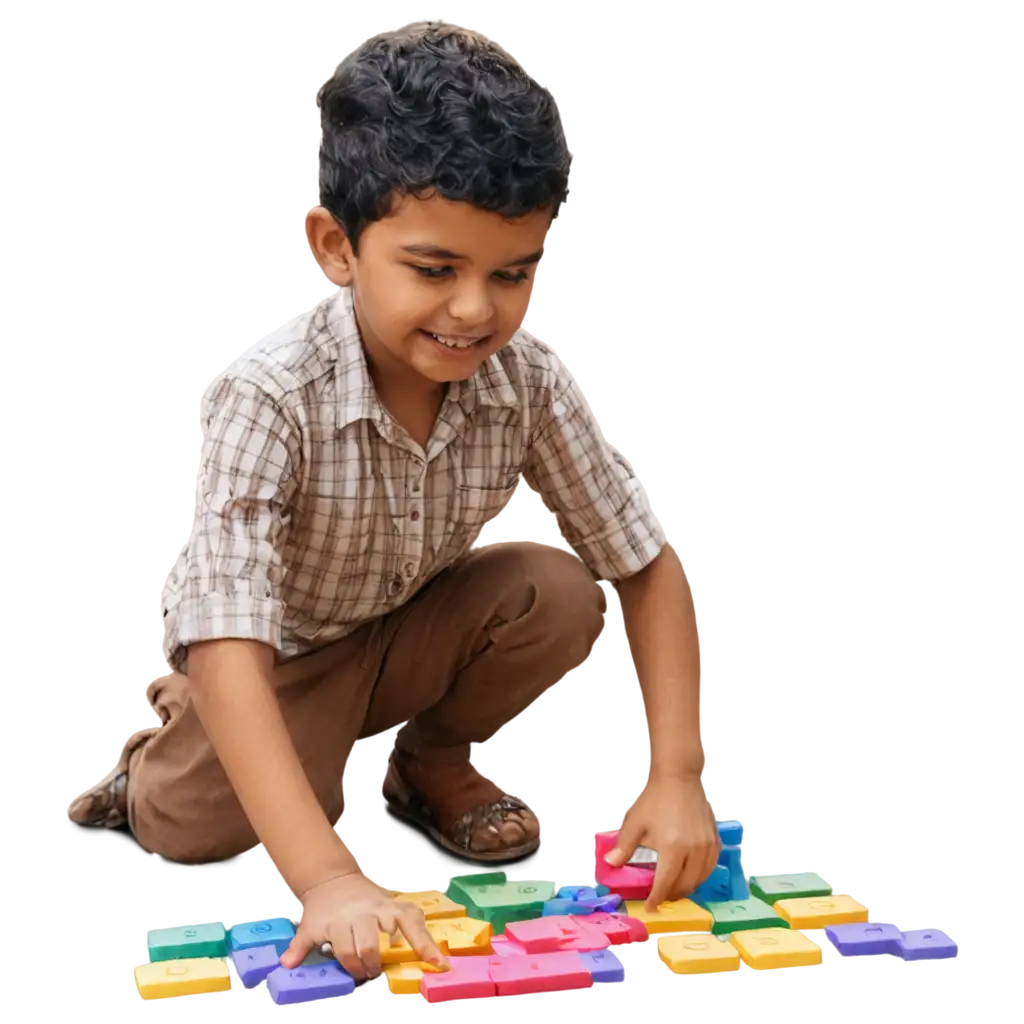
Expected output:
(603, 965)
(302, 984)
(611, 904)
(253, 965)
(927, 944)
(865, 939)
(559, 908)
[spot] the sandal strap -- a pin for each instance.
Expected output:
(494, 814)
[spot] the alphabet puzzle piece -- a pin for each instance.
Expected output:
(432, 903)
(770, 888)
(304, 984)
(556, 934)
(864, 939)
(604, 965)
(469, 978)
(716, 888)
(672, 916)
(253, 965)
(455, 936)
(169, 979)
(630, 881)
(492, 897)
(189, 942)
(736, 915)
(276, 931)
(543, 972)
(767, 948)
(927, 944)
(618, 928)
(697, 954)
(404, 979)
(581, 900)
(819, 911)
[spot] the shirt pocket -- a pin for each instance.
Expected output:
(473, 508)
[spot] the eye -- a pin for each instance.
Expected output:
(432, 273)
(516, 278)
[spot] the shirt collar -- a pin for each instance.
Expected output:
(356, 396)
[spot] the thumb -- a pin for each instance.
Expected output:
(625, 844)
(297, 951)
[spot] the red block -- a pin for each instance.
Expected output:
(629, 882)
(540, 972)
(469, 978)
(618, 928)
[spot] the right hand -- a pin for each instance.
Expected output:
(350, 912)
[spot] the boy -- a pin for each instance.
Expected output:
(329, 589)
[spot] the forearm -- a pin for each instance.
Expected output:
(231, 685)
(661, 626)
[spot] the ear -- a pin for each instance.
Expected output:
(330, 246)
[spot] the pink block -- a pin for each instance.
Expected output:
(469, 978)
(541, 972)
(557, 934)
(502, 945)
(629, 882)
(618, 928)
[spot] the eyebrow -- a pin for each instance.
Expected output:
(436, 252)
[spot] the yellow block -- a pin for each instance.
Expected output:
(672, 916)
(434, 904)
(404, 979)
(698, 954)
(764, 948)
(456, 936)
(820, 911)
(182, 977)
(462, 936)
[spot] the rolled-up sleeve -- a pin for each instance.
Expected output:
(233, 562)
(601, 507)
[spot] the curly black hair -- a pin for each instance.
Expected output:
(433, 108)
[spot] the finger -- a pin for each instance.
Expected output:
(298, 949)
(690, 873)
(415, 930)
(626, 843)
(344, 946)
(666, 877)
(366, 934)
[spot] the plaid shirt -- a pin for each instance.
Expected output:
(316, 512)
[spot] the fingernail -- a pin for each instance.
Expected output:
(612, 856)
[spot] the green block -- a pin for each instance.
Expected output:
(782, 887)
(493, 898)
(190, 941)
(741, 915)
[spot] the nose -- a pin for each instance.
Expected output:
(470, 304)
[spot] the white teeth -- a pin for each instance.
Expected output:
(451, 343)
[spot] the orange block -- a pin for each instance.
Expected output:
(820, 911)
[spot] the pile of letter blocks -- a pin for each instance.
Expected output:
(507, 938)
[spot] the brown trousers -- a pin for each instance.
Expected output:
(461, 658)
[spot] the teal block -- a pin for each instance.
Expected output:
(275, 931)
(741, 915)
(493, 898)
(783, 887)
(194, 940)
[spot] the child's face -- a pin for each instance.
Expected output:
(474, 297)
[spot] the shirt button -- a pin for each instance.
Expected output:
(414, 514)
(410, 569)
(395, 585)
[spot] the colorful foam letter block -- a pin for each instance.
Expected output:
(253, 965)
(730, 833)
(304, 984)
(716, 888)
(630, 882)
(604, 965)
(927, 944)
(455, 936)
(766, 948)
(618, 928)
(864, 939)
(493, 898)
(819, 911)
(502, 945)
(469, 978)
(186, 977)
(736, 915)
(404, 979)
(432, 904)
(276, 931)
(770, 888)
(672, 916)
(562, 908)
(581, 892)
(556, 934)
(697, 954)
(541, 972)
(188, 942)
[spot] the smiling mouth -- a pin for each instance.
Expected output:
(454, 342)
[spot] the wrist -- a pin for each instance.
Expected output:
(687, 769)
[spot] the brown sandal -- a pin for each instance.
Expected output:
(462, 808)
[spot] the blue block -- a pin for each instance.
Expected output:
(729, 858)
(603, 965)
(303, 984)
(559, 908)
(926, 948)
(277, 932)
(715, 888)
(576, 892)
(730, 832)
(254, 964)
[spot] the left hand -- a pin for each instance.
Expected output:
(672, 815)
